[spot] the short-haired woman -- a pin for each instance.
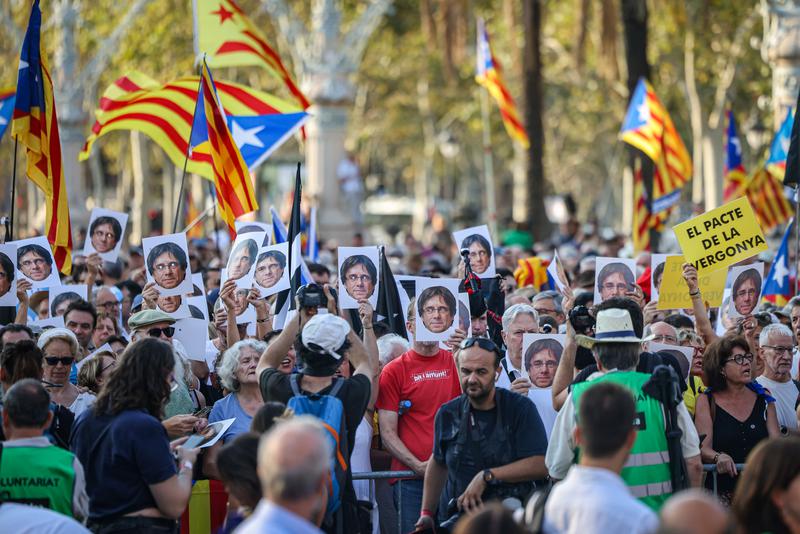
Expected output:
(107, 326)
(237, 373)
(93, 373)
(132, 479)
(60, 348)
(735, 413)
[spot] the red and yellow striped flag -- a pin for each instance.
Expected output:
(232, 181)
(765, 193)
(488, 75)
(229, 37)
(35, 125)
(164, 112)
(641, 213)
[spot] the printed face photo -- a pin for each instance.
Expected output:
(242, 258)
(105, 233)
(615, 280)
(437, 308)
(167, 264)
(35, 262)
(746, 291)
(240, 298)
(6, 274)
(169, 304)
(61, 302)
(480, 253)
(359, 276)
(541, 361)
(270, 267)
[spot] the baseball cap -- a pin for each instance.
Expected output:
(324, 333)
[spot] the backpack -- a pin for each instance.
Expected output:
(330, 411)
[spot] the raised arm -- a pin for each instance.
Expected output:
(23, 286)
(565, 371)
(702, 323)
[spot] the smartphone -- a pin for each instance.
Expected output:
(202, 412)
(193, 441)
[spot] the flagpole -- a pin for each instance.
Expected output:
(488, 166)
(10, 236)
(186, 160)
(216, 228)
(198, 219)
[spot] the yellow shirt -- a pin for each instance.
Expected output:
(695, 389)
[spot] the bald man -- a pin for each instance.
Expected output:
(694, 512)
(294, 469)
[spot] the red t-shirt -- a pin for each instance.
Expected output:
(426, 381)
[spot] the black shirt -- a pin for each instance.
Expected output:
(355, 393)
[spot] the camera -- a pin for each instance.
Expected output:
(582, 321)
(312, 296)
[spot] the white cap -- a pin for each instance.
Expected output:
(63, 334)
(327, 332)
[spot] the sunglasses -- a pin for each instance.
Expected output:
(482, 342)
(66, 361)
(168, 331)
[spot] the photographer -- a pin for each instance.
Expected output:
(488, 443)
(322, 343)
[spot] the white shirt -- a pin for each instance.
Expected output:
(785, 394)
(543, 399)
(23, 519)
(360, 463)
(274, 519)
(597, 500)
(81, 403)
(561, 448)
(503, 380)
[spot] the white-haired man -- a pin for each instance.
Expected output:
(518, 320)
(775, 349)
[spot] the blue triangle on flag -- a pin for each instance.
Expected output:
(258, 136)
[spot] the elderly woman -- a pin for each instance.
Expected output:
(94, 372)
(237, 373)
(735, 413)
(60, 348)
(107, 326)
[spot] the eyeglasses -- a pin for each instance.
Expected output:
(110, 305)
(164, 266)
(616, 287)
(430, 310)
(550, 364)
(740, 359)
(109, 366)
(482, 342)
(779, 350)
(746, 293)
(66, 361)
(545, 311)
(168, 331)
(664, 338)
(363, 278)
(30, 263)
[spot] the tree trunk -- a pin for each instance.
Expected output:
(608, 40)
(534, 94)
(583, 33)
(634, 20)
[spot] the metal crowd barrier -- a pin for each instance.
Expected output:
(712, 468)
(384, 475)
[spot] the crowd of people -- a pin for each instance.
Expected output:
(580, 409)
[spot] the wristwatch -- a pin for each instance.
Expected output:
(488, 476)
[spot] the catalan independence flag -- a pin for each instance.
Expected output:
(641, 212)
(779, 148)
(35, 125)
(734, 175)
(7, 95)
(229, 37)
(489, 75)
(234, 187)
(765, 193)
(648, 127)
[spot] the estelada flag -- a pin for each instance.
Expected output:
(35, 125)
(234, 187)
(230, 39)
(734, 175)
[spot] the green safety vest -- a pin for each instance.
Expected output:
(39, 476)
(647, 471)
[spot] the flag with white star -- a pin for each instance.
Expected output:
(6, 107)
(777, 286)
(779, 148)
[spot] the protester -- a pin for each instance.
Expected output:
(236, 465)
(122, 435)
(776, 346)
(412, 388)
(107, 300)
(60, 348)
(616, 348)
(494, 517)
(489, 443)
(237, 373)
(694, 511)
(320, 274)
(35, 471)
(548, 303)
(391, 346)
(93, 373)
(767, 498)
(594, 497)
(687, 338)
(322, 343)
(269, 414)
(294, 469)
(541, 362)
(735, 413)
(107, 326)
(13, 332)
(81, 318)
(518, 320)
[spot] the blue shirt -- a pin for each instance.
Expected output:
(122, 456)
(269, 517)
(226, 408)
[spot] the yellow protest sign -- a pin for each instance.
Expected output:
(721, 237)
(674, 293)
